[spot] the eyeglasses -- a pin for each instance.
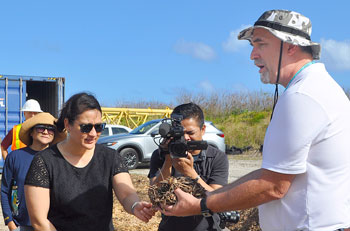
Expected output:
(86, 128)
(41, 128)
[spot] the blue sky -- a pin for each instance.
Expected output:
(130, 51)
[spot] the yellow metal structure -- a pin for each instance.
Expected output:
(132, 117)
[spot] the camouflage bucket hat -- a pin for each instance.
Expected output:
(289, 26)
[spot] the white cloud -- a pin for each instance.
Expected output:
(335, 54)
(207, 86)
(239, 87)
(196, 50)
(232, 44)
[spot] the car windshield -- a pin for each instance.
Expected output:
(142, 129)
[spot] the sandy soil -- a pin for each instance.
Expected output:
(238, 167)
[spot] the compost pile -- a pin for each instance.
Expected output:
(123, 221)
(163, 194)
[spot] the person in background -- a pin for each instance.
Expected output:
(303, 183)
(69, 186)
(37, 133)
(208, 167)
(30, 108)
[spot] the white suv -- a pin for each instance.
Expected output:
(113, 129)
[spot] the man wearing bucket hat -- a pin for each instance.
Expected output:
(37, 133)
(303, 183)
(29, 109)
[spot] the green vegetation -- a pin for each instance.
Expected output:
(243, 117)
(245, 129)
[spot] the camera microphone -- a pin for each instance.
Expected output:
(197, 145)
(164, 129)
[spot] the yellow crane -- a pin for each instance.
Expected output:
(132, 117)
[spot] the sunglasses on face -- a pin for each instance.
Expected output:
(86, 128)
(41, 128)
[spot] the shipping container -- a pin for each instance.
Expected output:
(15, 90)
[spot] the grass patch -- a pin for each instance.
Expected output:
(245, 129)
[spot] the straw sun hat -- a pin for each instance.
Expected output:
(41, 118)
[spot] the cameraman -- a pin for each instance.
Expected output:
(209, 167)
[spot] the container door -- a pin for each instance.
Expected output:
(60, 93)
(49, 94)
(12, 97)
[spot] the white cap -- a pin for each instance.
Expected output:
(32, 105)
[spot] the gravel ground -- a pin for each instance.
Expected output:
(239, 166)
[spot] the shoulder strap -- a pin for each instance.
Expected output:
(213, 223)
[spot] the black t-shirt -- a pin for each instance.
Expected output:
(212, 166)
(80, 198)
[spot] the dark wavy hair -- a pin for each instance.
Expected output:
(76, 105)
(190, 110)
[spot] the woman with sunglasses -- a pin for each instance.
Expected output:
(70, 185)
(37, 133)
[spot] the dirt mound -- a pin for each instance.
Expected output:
(123, 221)
(164, 193)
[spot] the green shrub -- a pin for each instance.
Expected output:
(245, 129)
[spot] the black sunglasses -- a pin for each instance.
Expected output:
(86, 128)
(41, 128)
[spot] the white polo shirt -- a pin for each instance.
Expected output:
(309, 136)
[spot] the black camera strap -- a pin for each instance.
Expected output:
(201, 157)
(199, 162)
(213, 223)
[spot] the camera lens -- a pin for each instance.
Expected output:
(178, 149)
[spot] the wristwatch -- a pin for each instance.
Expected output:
(206, 212)
(197, 178)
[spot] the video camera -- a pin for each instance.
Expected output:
(228, 217)
(174, 131)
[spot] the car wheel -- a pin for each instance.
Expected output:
(130, 157)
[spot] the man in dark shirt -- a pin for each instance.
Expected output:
(209, 167)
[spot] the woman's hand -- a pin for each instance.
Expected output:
(11, 225)
(143, 211)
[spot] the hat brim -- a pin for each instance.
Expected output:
(41, 118)
(247, 34)
(23, 110)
